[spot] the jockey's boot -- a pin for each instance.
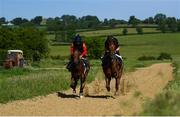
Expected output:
(119, 57)
(86, 64)
(69, 65)
(103, 58)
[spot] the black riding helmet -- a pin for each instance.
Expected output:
(77, 41)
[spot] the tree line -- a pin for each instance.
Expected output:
(32, 41)
(71, 22)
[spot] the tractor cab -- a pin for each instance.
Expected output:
(14, 58)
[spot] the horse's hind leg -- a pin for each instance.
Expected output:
(108, 80)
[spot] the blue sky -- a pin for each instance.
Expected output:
(119, 9)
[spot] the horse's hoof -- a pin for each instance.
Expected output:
(74, 92)
(108, 89)
(72, 86)
(116, 93)
(81, 95)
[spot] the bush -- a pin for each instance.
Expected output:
(143, 58)
(58, 57)
(125, 31)
(163, 56)
(166, 103)
(3, 54)
(139, 30)
(95, 47)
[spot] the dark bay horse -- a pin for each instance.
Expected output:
(112, 68)
(78, 72)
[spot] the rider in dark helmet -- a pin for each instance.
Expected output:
(115, 41)
(79, 45)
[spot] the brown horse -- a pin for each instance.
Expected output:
(112, 69)
(78, 72)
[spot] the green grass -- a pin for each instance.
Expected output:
(12, 72)
(166, 103)
(137, 94)
(135, 46)
(50, 37)
(60, 50)
(34, 84)
(23, 85)
(48, 63)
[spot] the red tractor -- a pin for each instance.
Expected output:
(14, 58)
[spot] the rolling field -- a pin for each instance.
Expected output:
(117, 31)
(47, 81)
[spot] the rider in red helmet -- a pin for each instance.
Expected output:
(81, 46)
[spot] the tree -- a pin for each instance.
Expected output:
(125, 31)
(89, 22)
(178, 25)
(37, 20)
(122, 22)
(172, 24)
(158, 18)
(105, 22)
(162, 26)
(149, 20)
(18, 21)
(134, 21)
(54, 24)
(2, 20)
(112, 23)
(69, 22)
(28, 24)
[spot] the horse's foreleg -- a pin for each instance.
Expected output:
(82, 86)
(117, 85)
(108, 80)
(73, 84)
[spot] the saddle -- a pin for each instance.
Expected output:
(86, 65)
(106, 58)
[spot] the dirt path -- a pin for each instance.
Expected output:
(139, 86)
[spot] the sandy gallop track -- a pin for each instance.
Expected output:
(139, 86)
